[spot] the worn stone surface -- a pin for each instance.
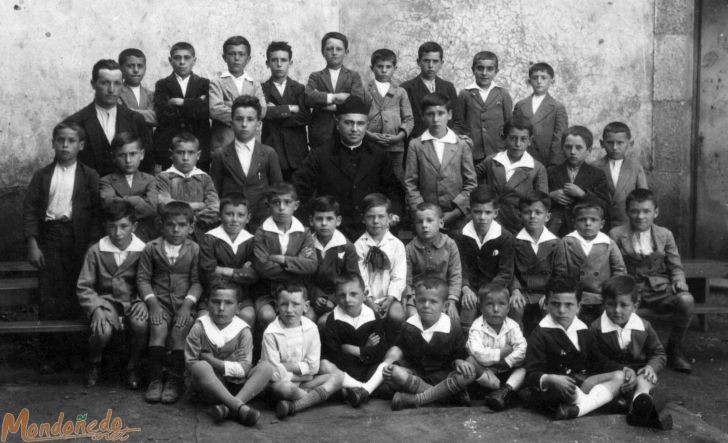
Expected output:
(674, 16)
(673, 67)
(671, 142)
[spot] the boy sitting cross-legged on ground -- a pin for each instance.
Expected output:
(219, 355)
(566, 373)
(292, 345)
(497, 348)
(627, 339)
(168, 280)
(353, 341)
(107, 290)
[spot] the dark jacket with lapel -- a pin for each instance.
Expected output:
(283, 130)
(416, 91)
(631, 176)
(604, 261)
(533, 271)
(549, 121)
(144, 190)
(482, 121)
(645, 347)
(493, 263)
(591, 180)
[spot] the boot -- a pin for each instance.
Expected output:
(402, 400)
(499, 399)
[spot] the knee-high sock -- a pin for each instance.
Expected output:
(311, 398)
(597, 397)
(376, 379)
(414, 385)
(178, 364)
(453, 384)
(351, 382)
(156, 360)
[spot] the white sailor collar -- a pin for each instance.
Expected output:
(338, 239)
(136, 245)
(600, 238)
(270, 225)
(220, 233)
(192, 173)
(634, 323)
(366, 316)
(369, 241)
(549, 323)
(546, 235)
(219, 337)
(494, 231)
(441, 325)
(450, 137)
(526, 161)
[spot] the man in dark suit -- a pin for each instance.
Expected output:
(105, 117)
(181, 102)
(349, 168)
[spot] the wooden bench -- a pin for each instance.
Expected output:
(19, 287)
(703, 276)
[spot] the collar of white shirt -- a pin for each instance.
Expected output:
(546, 235)
(337, 239)
(281, 86)
(250, 145)
(450, 137)
(536, 101)
(481, 325)
(526, 161)
(364, 317)
(277, 327)
(219, 337)
(369, 241)
(600, 238)
(270, 225)
(196, 171)
(483, 92)
(220, 233)
(634, 323)
(111, 113)
(494, 231)
(572, 332)
(136, 245)
(244, 76)
(441, 325)
(382, 88)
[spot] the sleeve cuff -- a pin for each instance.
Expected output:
(191, 298)
(304, 367)
(234, 369)
(148, 296)
(540, 383)
(329, 99)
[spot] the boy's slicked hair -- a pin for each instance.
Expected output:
(118, 209)
(374, 200)
(291, 287)
(485, 55)
(131, 52)
(429, 47)
(175, 208)
(427, 206)
(435, 99)
(640, 195)
(234, 199)
(73, 126)
(106, 63)
(349, 277)
(563, 285)
(246, 101)
(334, 35)
(532, 197)
(431, 282)
(124, 138)
(279, 46)
(491, 288)
(282, 188)
(484, 194)
(326, 203)
(384, 54)
(616, 128)
(620, 285)
(588, 203)
(522, 124)
(236, 40)
(182, 46)
(185, 137)
(579, 131)
(541, 66)
(224, 284)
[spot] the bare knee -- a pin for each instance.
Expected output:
(685, 303)
(263, 367)
(179, 336)
(248, 315)
(200, 369)
(266, 315)
(138, 327)
(396, 315)
(158, 334)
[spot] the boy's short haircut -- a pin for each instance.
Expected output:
(291, 287)
(374, 200)
(246, 101)
(426, 206)
(282, 188)
(579, 131)
(73, 126)
(616, 128)
(484, 194)
(541, 66)
(532, 197)
(118, 209)
(491, 288)
(182, 46)
(326, 203)
(236, 40)
(620, 285)
(131, 52)
(429, 47)
(234, 199)
(223, 284)
(522, 124)
(587, 203)
(485, 55)
(279, 46)
(124, 138)
(435, 99)
(349, 277)
(435, 283)
(185, 137)
(640, 196)
(108, 64)
(384, 55)
(175, 208)
(337, 36)
(563, 285)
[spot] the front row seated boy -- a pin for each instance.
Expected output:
(219, 356)
(168, 281)
(107, 290)
(627, 339)
(566, 373)
(291, 344)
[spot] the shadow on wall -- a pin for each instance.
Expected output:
(12, 244)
